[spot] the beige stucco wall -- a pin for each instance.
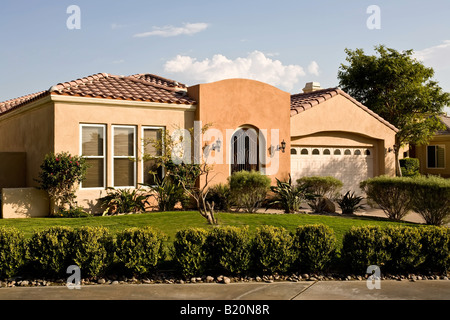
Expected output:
(340, 122)
(29, 130)
(70, 113)
(24, 203)
(230, 104)
(13, 169)
(421, 154)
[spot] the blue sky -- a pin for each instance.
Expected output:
(285, 43)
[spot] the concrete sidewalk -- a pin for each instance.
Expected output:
(304, 290)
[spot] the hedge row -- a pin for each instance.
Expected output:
(233, 250)
(397, 196)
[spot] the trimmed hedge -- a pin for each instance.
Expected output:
(397, 196)
(12, 251)
(231, 250)
(315, 247)
(140, 250)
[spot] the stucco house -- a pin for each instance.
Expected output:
(434, 158)
(254, 125)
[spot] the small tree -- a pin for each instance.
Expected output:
(59, 176)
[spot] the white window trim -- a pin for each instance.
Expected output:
(143, 147)
(123, 157)
(445, 160)
(82, 125)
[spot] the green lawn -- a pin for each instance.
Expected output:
(171, 222)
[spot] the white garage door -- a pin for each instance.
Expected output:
(350, 165)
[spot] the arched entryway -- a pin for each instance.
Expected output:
(245, 149)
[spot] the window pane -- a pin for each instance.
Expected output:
(94, 174)
(124, 142)
(123, 173)
(150, 136)
(92, 141)
(431, 153)
(440, 153)
(150, 167)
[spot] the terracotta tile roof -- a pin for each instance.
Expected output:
(446, 121)
(141, 87)
(304, 101)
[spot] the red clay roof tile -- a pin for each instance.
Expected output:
(140, 87)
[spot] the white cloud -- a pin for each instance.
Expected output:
(171, 31)
(313, 68)
(255, 66)
(436, 56)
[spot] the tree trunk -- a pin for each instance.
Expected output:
(398, 170)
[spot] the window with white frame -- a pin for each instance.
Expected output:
(152, 140)
(124, 156)
(436, 157)
(93, 142)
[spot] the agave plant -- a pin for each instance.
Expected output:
(123, 201)
(349, 203)
(288, 196)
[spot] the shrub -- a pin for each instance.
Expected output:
(287, 196)
(315, 247)
(220, 194)
(74, 212)
(405, 248)
(12, 252)
(436, 248)
(430, 197)
(50, 251)
(365, 246)
(189, 251)
(410, 167)
(321, 187)
(167, 193)
(349, 203)
(93, 250)
(392, 194)
(229, 248)
(60, 175)
(123, 201)
(249, 189)
(272, 249)
(140, 250)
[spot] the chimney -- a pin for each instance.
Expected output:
(311, 87)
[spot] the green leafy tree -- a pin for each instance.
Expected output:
(399, 88)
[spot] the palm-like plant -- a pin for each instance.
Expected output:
(123, 201)
(349, 203)
(288, 196)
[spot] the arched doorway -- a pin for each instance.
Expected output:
(245, 150)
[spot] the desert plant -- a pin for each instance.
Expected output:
(59, 176)
(288, 196)
(249, 189)
(123, 201)
(166, 193)
(350, 203)
(322, 188)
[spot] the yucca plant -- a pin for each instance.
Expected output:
(123, 201)
(350, 203)
(288, 196)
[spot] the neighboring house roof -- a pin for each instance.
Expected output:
(446, 121)
(304, 101)
(139, 87)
